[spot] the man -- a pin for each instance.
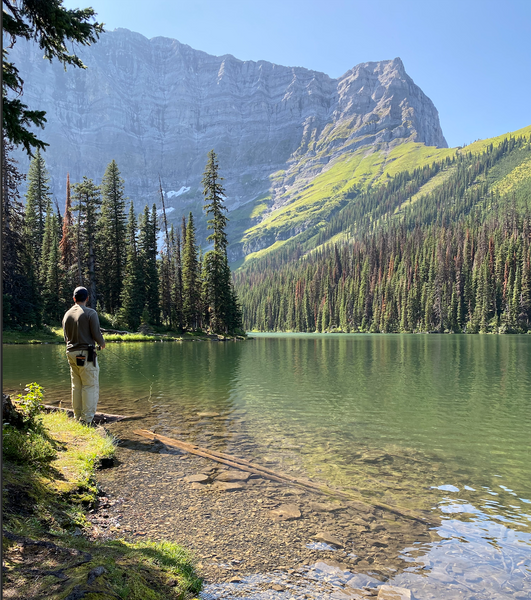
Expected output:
(81, 328)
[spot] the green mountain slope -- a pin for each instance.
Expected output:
(443, 245)
(352, 174)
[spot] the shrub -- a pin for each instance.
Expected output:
(31, 405)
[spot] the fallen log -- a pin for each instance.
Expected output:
(99, 417)
(245, 465)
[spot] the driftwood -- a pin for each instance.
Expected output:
(245, 465)
(99, 417)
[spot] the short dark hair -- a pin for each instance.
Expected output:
(81, 294)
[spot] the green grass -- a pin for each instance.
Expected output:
(520, 176)
(328, 192)
(46, 491)
(44, 335)
(480, 145)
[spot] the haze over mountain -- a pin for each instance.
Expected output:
(158, 106)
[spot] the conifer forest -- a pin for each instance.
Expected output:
(100, 243)
(397, 257)
(455, 260)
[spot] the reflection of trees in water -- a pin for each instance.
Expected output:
(191, 376)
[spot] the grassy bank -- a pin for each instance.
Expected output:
(54, 335)
(48, 485)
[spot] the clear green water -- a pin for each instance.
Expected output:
(440, 424)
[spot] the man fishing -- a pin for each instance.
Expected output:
(81, 328)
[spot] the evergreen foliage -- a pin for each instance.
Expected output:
(38, 202)
(67, 247)
(112, 237)
(191, 279)
(147, 257)
(132, 298)
(87, 201)
(51, 273)
(19, 285)
(221, 308)
(455, 259)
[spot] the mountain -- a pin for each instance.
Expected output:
(157, 107)
(442, 245)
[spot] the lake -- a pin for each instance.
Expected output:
(437, 425)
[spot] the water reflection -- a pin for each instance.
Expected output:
(438, 424)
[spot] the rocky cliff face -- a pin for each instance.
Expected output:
(157, 107)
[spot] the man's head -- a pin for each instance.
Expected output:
(80, 295)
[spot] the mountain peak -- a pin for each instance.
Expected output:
(158, 106)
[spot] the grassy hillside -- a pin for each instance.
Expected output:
(310, 211)
(445, 246)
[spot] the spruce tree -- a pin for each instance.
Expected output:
(51, 274)
(111, 237)
(68, 248)
(87, 200)
(177, 287)
(219, 297)
(147, 252)
(19, 285)
(38, 199)
(191, 287)
(132, 297)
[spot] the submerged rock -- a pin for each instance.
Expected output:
(328, 538)
(197, 478)
(233, 476)
(390, 592)
(286, 512)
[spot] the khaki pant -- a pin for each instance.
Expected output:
(85, 386)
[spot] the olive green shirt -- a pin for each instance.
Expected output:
(81, 328)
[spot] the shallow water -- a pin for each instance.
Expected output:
(440, 425)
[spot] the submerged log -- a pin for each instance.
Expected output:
(245, 465)
(99, 417)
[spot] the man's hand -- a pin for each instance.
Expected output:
(102, 346)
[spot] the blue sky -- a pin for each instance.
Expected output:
(471, 57)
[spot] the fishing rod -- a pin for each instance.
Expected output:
(151, 381)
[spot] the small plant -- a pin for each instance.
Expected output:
(31, 405)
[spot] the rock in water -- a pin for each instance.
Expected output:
(233, 476)
(390, 592)
(197, 478)
(286, 512)
(328, 538)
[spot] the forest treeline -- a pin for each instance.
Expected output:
(456, 259)
(99, 244)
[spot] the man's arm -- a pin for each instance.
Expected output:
(95, 329)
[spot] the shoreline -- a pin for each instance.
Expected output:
(241, 526)
(49, 479)
(53, 336)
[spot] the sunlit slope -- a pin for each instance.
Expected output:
(328, 192)
(306, 220)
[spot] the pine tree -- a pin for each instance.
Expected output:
(111, 237)
(132, 297)
(224, 314)
(87, 201)
(51, 274)
(67, 247)
(147, 253)
(191, 278)
(177, 287)
(19, 286)
(37, 200)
